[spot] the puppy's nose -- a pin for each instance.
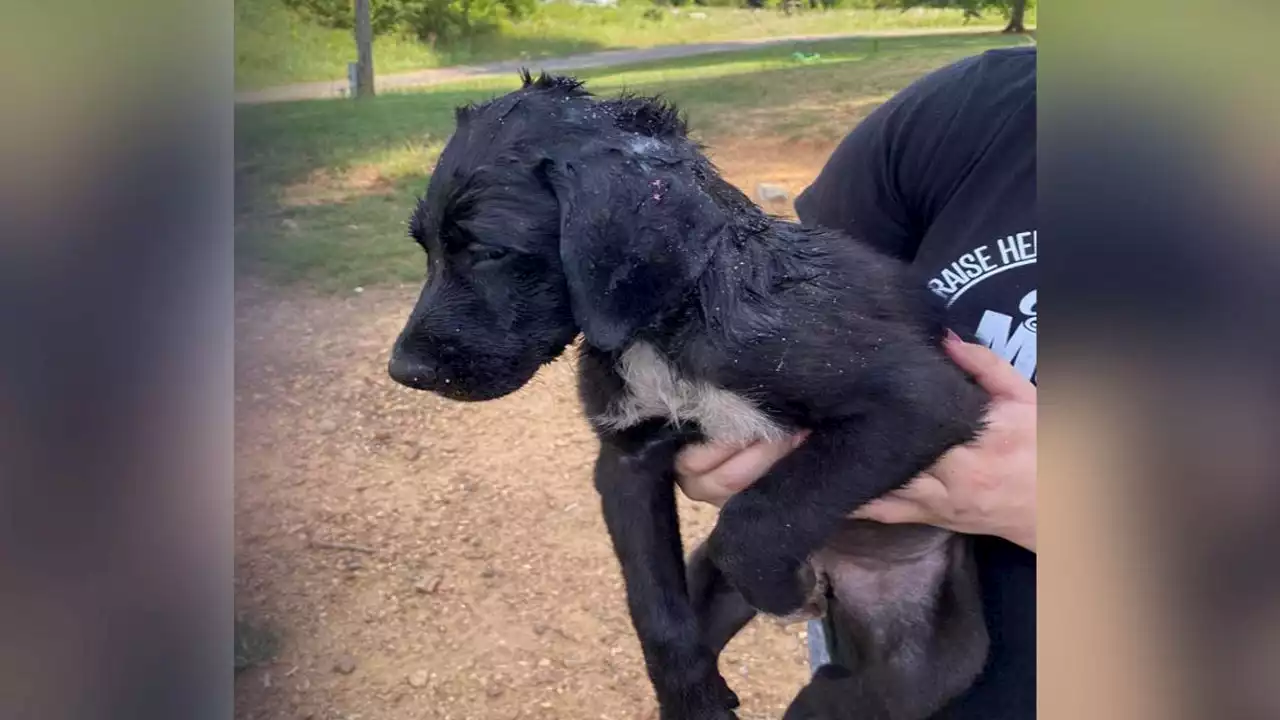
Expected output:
(411, 372)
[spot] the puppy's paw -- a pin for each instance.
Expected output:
(814, 585)
(711, 699)
(696, 714)
(723, 694)
(770, 583)
(780, 593)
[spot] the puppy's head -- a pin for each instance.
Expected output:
(551, 212)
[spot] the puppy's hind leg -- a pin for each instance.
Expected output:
(834, 693)
(722, 611)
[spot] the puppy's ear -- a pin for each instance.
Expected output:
(634, 237)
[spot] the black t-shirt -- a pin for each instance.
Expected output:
(943, 176)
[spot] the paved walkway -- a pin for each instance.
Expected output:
(438, 76)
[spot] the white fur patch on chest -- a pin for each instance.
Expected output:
(656, 390)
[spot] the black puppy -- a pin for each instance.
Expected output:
(552, 212)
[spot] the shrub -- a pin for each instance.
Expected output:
(429, 20)
(384, 15)
(450, 20)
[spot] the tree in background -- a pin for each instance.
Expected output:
(1015, 10)
(340, 14)
(429, 20)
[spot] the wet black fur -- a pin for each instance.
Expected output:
(552, 212)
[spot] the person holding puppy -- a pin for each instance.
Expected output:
(943, 176)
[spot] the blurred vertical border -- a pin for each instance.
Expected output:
(116, 360)
(1159, 497)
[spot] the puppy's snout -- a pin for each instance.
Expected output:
(411, 371)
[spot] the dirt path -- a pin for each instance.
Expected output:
(424, 559)
(450, 556)
(604, 58)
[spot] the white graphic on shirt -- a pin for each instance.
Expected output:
(1012, 338)
(1015, 343)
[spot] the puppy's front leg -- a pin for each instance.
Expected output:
(637, 487)
(766, 533)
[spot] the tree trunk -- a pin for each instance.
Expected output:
(364, 50)
(1016, 14)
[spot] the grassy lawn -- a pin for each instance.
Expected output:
(274, 46)
(323, 188)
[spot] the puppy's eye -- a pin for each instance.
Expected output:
(487, 253)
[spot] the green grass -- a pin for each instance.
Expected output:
(361, 165)
(275, 46)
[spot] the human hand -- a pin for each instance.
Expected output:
(987, 487)
(714, 473)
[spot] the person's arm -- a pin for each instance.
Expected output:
(987, 487)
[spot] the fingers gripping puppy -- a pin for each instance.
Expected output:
(552, 213)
